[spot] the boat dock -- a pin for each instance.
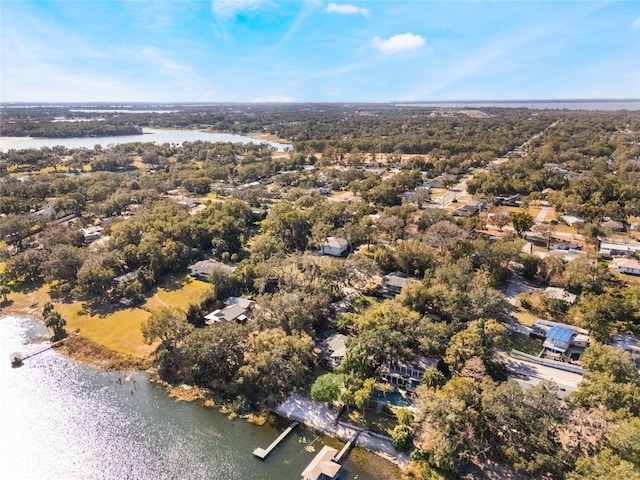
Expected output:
(262, 453)
(346, 448)
(17, 359)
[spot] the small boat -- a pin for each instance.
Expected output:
(16, 360)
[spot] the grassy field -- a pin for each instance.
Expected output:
(118, 330)
(177, 291)
(110, 326)
(524, 343)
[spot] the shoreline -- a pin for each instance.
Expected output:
(88, 352)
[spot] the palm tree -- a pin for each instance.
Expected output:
(55, 322)
(4, 291)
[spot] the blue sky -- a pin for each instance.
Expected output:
(263, 50)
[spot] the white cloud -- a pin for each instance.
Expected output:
(348, 10)
(636, 24)
(398, 43)
(275, 99)
(230, 8)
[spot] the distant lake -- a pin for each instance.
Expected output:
(603, 105)
(155, 135)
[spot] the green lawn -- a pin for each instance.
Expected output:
(524, 343)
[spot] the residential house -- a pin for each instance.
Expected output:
(406, 375)
(630, 266)
(509, 200)
(610, 248)
(393, 283)
(126, 277)
(323, 467)
(468, 210)
(613, 225)
(565, 245)
(561, 339)
(560, 294)
(205, 268)
(238, 309)
(335, 348)
(629, 343)
(335, 246)
(91, 234)
(571, 219)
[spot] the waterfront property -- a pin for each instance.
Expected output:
(406, 375)
(238, 309)
(322, 467)
(334, 348)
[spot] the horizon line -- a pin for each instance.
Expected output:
(382, 102)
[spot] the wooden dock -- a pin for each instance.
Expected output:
(262, 453)
(346, 448)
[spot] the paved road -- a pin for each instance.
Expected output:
(542, 215)
(528, 374)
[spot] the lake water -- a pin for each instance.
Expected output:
(61, 419)
(158, 136)
(604, 105)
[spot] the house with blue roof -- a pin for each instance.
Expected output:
(561, 340)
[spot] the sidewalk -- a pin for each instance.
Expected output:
(320, 417)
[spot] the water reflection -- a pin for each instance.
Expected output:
(64, 420)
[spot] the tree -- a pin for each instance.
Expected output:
(523, 426)
(56, 323)
(477, 340)
(602, 313)
(4, 291)
(168, 325)
(275, 363)
(433, 378)
(402, 437)
(212, 356)
(443, 233)
(611, 380)
(522, 222)
(327, 388)
(500, 218)
(605, 465)
(448, 425)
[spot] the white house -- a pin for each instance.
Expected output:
(335, 246)
(205, 268)
(335, 348)
(627, 342)
(611, 249)
(560, 294)
(323, 467)
(238, 309)
(91, 234)
(627, 265)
